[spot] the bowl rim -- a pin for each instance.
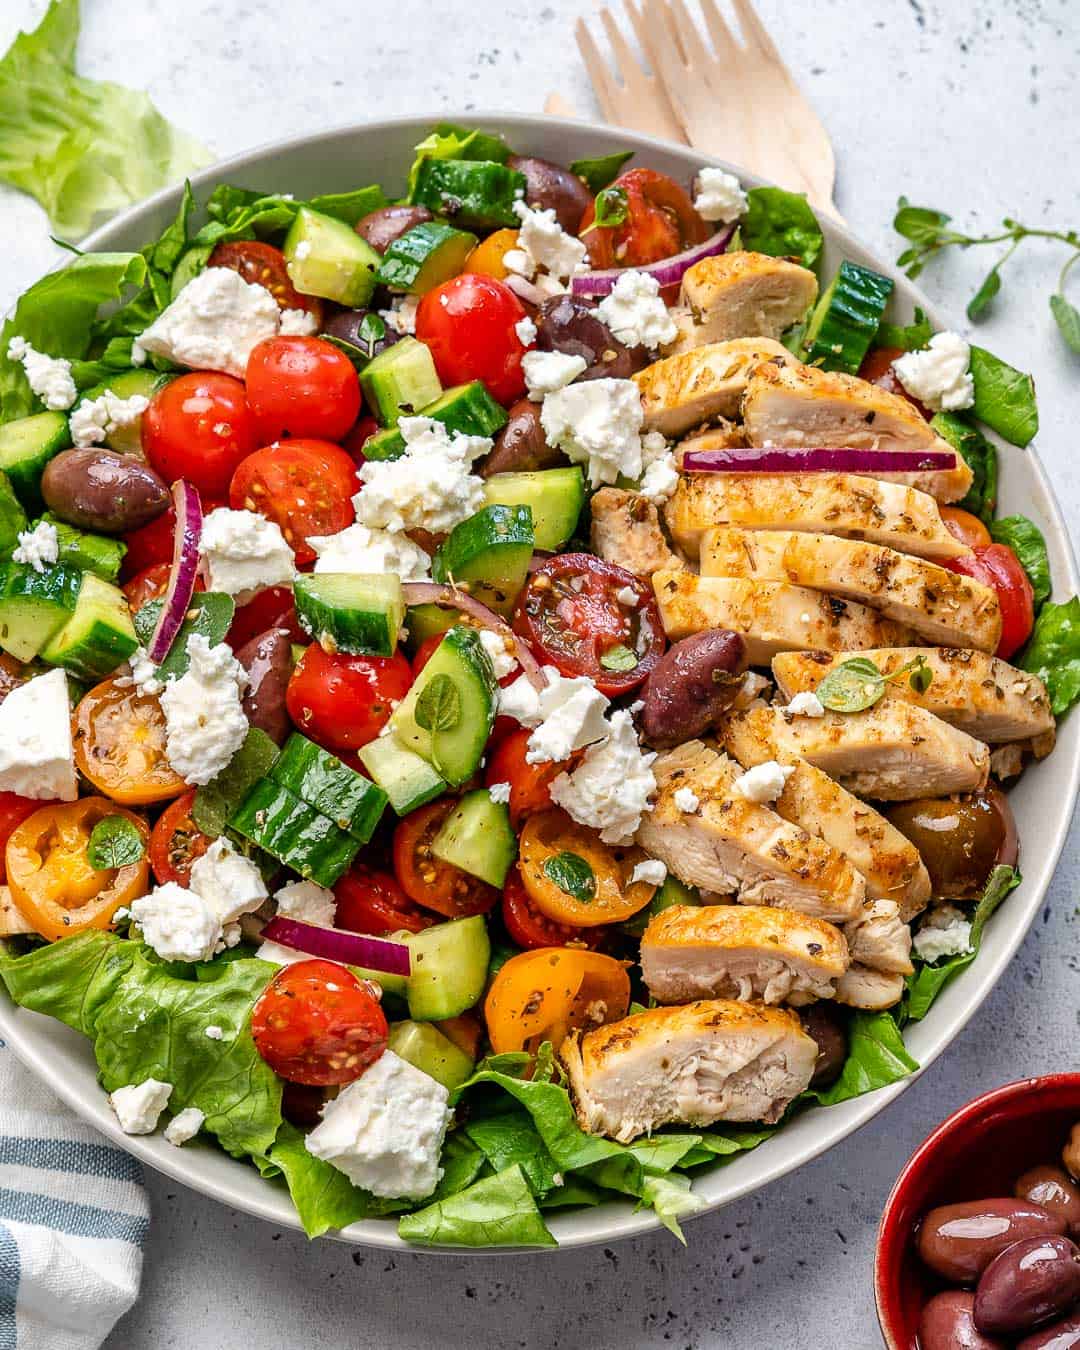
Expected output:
(613, 1220)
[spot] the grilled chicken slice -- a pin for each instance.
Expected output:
(938, 605)
(874, 990)
(680, 392)
(846, 504)
(626, 530)
(804, 405)
(880, 939)
(771, 616)
(732, 846)
(974, 692)
(738, 295)
(893, 752)
(691, 1065)
(741, 951)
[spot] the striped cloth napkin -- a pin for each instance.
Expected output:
(73, 1219)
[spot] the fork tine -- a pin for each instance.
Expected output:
(626, 63)
(723, 40)
(641, 15)
(603, 86)
(689, 35)
(754, 31)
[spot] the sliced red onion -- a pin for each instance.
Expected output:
(449, 597)
(668, 271)
(185, 565)
(333, 944)
(799, 459)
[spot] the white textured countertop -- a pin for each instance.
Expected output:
(970, 108)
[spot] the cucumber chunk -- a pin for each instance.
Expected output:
(425, 257)
(325, 257)
(317, 777)
(491, 551)
(449, 968)
(427, 1049)
(12, 517)
(424, 621)
(846, 319)
(34, 606)
(467, 408)
(88, 552)
(352, 612)
(473, 193)
(407, 780)
(98, 636)
(555, 497)
(400, 381)
(295, 833)
(26, 446)
(476, 836)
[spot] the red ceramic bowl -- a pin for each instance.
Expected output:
(978, 1152)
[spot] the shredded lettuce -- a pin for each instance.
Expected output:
(781, 224)
(1004, 397)
(1054, 653)
(1026, 540)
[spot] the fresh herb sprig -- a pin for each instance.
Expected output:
(855, 685)
(612, 210)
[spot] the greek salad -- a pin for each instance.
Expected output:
(505, 687)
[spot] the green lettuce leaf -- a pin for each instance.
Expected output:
(981, 457)
(449, 141)
(877, 1057)
(494, 1211)
(670, 1198)
(70, 980)
(598, 173)
(82, 148)
(908, 337)
(1054, 653)
(1026, 540)
(511, 1139)
(781, 224)
(324, 1197)
(1004, 397)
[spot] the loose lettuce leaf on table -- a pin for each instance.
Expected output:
(1054, 653)
(1026, 540)
(781, 224)
(497, 1210)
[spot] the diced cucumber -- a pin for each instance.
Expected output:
(473, 193)
(12, 517)
(210, 614)
(449, 968)
(88, 552)
(393, 985)
(353, 802)
(672, 892)
(26, 446)
(491, 551)
(400, 381)
(407, 780)
(476, 836)
(425, 257)
(467, 408)
(555, 497)
(427, 1049)
(424, 621)
(846, 318)
(128, 440)
(295, 833)
(325, 257)
(34, 606)
(98, 636)
(352, 612)
(447, 716)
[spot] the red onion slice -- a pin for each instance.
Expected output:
(449, 597)
(185, 565)
(799, 459)
(668, 271)
(334, 944)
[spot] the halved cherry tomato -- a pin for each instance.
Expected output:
(466, 1031)
(272, 608)
(358, 437)
(12, 674)
(556, 852)
(119, 738)
(877, 368)
(372, 902)
(305, 486)
(571, 615)
(999, 567)
(660, 221)
(301, 386)
(199, 427)
(425, 652)
(52, 882)
(967, 528)
(529, 783)
(176, 842)
(152, 544)
(540, 995)
(530, 927)
(427, 880)
(469, 323)
(13, 811)
(345, 701)
(486, 259)
(316, 1023)
(151, 584)
(264, 265)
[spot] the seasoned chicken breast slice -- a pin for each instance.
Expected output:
(972, 691)
(850, 505)
(771, 616)
(939, 605)
(802, 405)
(626, 530)
(692, 1065)
(680, 392)
(740, 294)
(741, 951)
(880, 939)
(892, 752)
(872, 990)
(732, 846)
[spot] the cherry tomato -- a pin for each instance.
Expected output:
(264, 265)
(199, 427)
(119, 737)
(12, 674)
(153, 543)
(358, 437)
(530, 927)
(570, 613)
(372, 902)
(469, 324)
(877, 368)
(151, 584)
(487, 257)
(540, 995)
(660, 221)
(602, 891)
(466, 1031)
(999, 567)
(425, 652)
(316, 1023)
(305, 486)
(529, 783)
(428, 881)
(272, 608)
(13, 811)
(301, 386)
(967, 528)
(345, 701)
(176, 842)
(52, 882)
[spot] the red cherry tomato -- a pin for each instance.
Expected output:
(305, 486)
(469, 323)
(530, 928)
(176, 842)
(427, 880)
(529, 783)
(153, 543)
(151, 584)
(13, 811)
(660, 221)
(199, 427)
(342, 702)
(316, 1023)
(372, 902)
(999, 567)
(272, 608)
(264, 265)
(877, 368)
(301, 386)
(967, 528)
(355, 441)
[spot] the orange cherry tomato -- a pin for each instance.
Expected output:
(487, 257)
(999, 567)
(466, 1031)
(530, 784)
(557, 853)
(427, 880)
(660, 221)
(52, 882)
(176, 842)
(119, 738)
(13, 811)
(541, 995)
(967, 528)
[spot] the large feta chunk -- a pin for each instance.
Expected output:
(544, 248)
(214, 323)
(229, 883)
(139, 1106)
(635, 311)
(360, 549)
(38, 547)
(547, 372)
(611, 787)
(94, 420)
(308, 902)
(245, 553)
(944, 931)
(939, 374)
(597, 423)
(37, 758)
(572, 717)
(204, 717)
(177, 923)
(764, 782)
(430, 487)
(48, 376)
(719, 196)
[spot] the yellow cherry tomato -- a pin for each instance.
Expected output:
(541, 995)
(487, 257)
(574, 878)
(120, 745)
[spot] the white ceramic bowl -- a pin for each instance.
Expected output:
(335, 161)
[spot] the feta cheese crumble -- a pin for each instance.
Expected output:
(503, 662)
(806, 704)
(94, 420)
(49, 376)
(547, 372)
(184, 1125)
(570, 715)
(661, 476)
(177, 923)
(37, 758)
(37, 547)
(944, 932)
(635, 313)
(611, 787)
(308, 902)
(719, 196)
(139, 1106)
(430, 487)
(297, 323)
(214, 1032)
(400, 318)
(686, 800)
(526, 331)
(227, 881)
(764, 782)
(214, 323)
(245, 553)
(938, 375)
(545, 254)
(499, 792)
(626, 595)
(204, 717)
(652, 870)
(360, 549)
(144, 672)
(597, 423)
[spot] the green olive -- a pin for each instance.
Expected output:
(961, 839)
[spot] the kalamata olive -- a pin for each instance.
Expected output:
(948, 1323)
(521, 446)
(823, 1022)
(959, 1241)
(961, 839)
(1027, 1284)
(383, 227)
(347, 326)
(1063, 1335)
(268, 662)
(692, 685)
(550, 185)
(1050, 1187)
(102, 491)
(565, 323)
(1070, 1154)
